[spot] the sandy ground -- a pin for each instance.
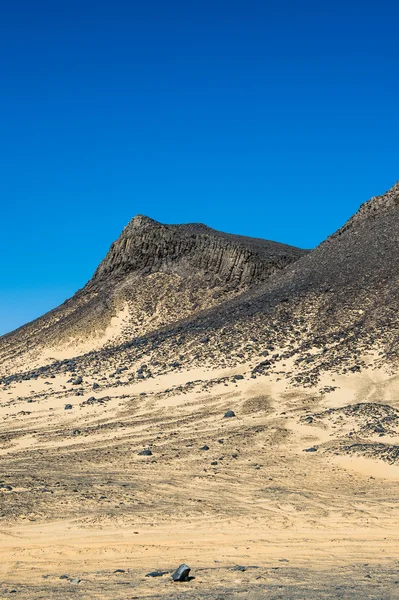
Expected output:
(77, 500)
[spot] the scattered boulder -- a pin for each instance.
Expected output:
(145, 452)
(77, 381)
(205, 447)
(181, 573)
(156, 573)
(229, 414)
(68, 407)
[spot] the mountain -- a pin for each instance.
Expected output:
(154, 275)
(164, 288)
(324, 309)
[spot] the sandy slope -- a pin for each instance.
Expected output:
(84, 503)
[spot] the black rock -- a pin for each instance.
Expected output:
(205, 447)
(95, 386)
(312, 449)
(229, 414)
(145, 452)
(238, 568)
(156, 573)
(120, 571)
(68, 407)
(181, 573)
(77, 381)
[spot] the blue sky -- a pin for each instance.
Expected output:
(270, 119)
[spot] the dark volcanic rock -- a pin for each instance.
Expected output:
(229, 414)
(145, 452)
(182, 573)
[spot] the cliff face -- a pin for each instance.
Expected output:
(146, 246)
(154, 275)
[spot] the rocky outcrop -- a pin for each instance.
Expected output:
(146, 246)
(372, 210)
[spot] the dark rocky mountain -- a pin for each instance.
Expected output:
(335, 308)
(154, 275)
(236, 262)
(231, 300)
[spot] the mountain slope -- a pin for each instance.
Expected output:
(339, 301)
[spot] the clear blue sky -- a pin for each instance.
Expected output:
(266, 118)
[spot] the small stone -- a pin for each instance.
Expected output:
(75, 581)
(312, 449)
(181, 573)
(205, 447)
(68, 407)
(239, 568)
(156, 573)
(229, 414)
(145, 452)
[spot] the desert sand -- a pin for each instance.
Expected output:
(78, 501)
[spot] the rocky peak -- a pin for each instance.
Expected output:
(141, 222)
(146, 246)
(371, 210)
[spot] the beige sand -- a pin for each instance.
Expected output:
(86, 502)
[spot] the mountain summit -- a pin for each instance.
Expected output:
(193, 250)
